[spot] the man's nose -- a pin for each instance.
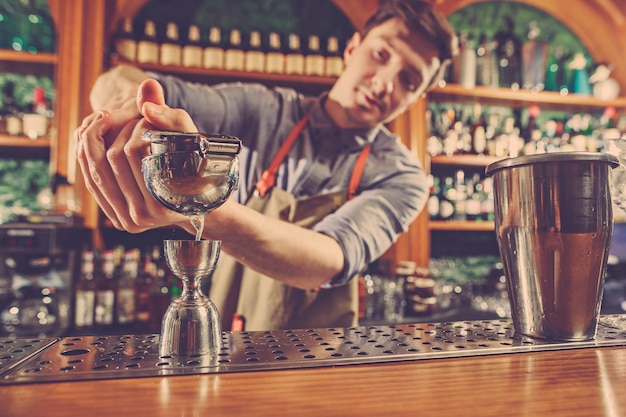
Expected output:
(382, 84)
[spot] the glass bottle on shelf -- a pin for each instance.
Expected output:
(192, 51)
(294, 61)
(148, 46)
(11, 114)
(446, 199)
(84, 296)
(35, 121)
(255, 56)
(473, 199)
(213, 53)
(105, 292)
(145, 281)
(171, 49)
(534, 58)
(275, 58)
(479, 131)
(125, 289)
(508, 55)
(334, 58)
(160, 295)
(486, 64)
(467, 62)
(314, 60)
(234, 56)
(432, 205)
(125, 44)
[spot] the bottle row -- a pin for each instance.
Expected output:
(26, 105)
(504, 60)
(119, 288)
(460, 197)
(233, 50)
(501, 132)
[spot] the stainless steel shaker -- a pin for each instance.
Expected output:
(554, 223)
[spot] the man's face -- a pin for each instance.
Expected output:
(386, 72)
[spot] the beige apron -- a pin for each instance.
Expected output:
(249, 300)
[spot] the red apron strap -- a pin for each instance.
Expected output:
(268, 178)
(357, 171)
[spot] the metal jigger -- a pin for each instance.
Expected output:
(192, 174)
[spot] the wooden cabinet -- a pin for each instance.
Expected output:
(85, 27)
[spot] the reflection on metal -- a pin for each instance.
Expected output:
(109, 357)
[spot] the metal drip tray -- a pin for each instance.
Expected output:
(15, 351)
(109, 357)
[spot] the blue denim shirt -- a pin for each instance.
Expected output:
(393, 186)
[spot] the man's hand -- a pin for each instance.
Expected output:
(110, 150)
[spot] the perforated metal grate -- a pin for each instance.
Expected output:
(108, 357)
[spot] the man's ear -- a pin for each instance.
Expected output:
(351, 46)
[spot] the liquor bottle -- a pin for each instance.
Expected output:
(11, 113)
(314, 61)
(486, 63)
(556, 70)
(474, 198)
(334, 58)
(192, 51)
(171, 50)
(105, 292)
(84, 298)
(234, 56)
(508, 55)
(125, 45)
(467, 62)
(145, 281)
(534, 58)
(446, 199)
(255, 56)
(148, 46)
(35, 121)
(213, 54)
(294, 60)
(432, 204)
(160, 296)
(125, 306)
(460, 196)
(274, 57)
(479, 131)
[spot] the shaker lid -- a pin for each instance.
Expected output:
(612, 160)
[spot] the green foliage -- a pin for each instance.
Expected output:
(20, 183)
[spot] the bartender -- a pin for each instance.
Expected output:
(338, 189)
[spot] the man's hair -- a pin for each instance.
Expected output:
(420, 17)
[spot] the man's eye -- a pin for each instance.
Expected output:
(408, 83)
(380, 55)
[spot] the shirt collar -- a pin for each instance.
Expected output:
(324, 129)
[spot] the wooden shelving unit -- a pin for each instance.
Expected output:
(488, 96)
(9, 141)
(304, 83)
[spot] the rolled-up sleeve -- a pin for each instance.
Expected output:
(366, 226)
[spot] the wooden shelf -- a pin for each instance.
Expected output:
(305, 83)
(10, 141)
(461, 226)
(522, 98)
(28, 57)
(464, 160)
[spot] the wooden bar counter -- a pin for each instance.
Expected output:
(587, 382)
